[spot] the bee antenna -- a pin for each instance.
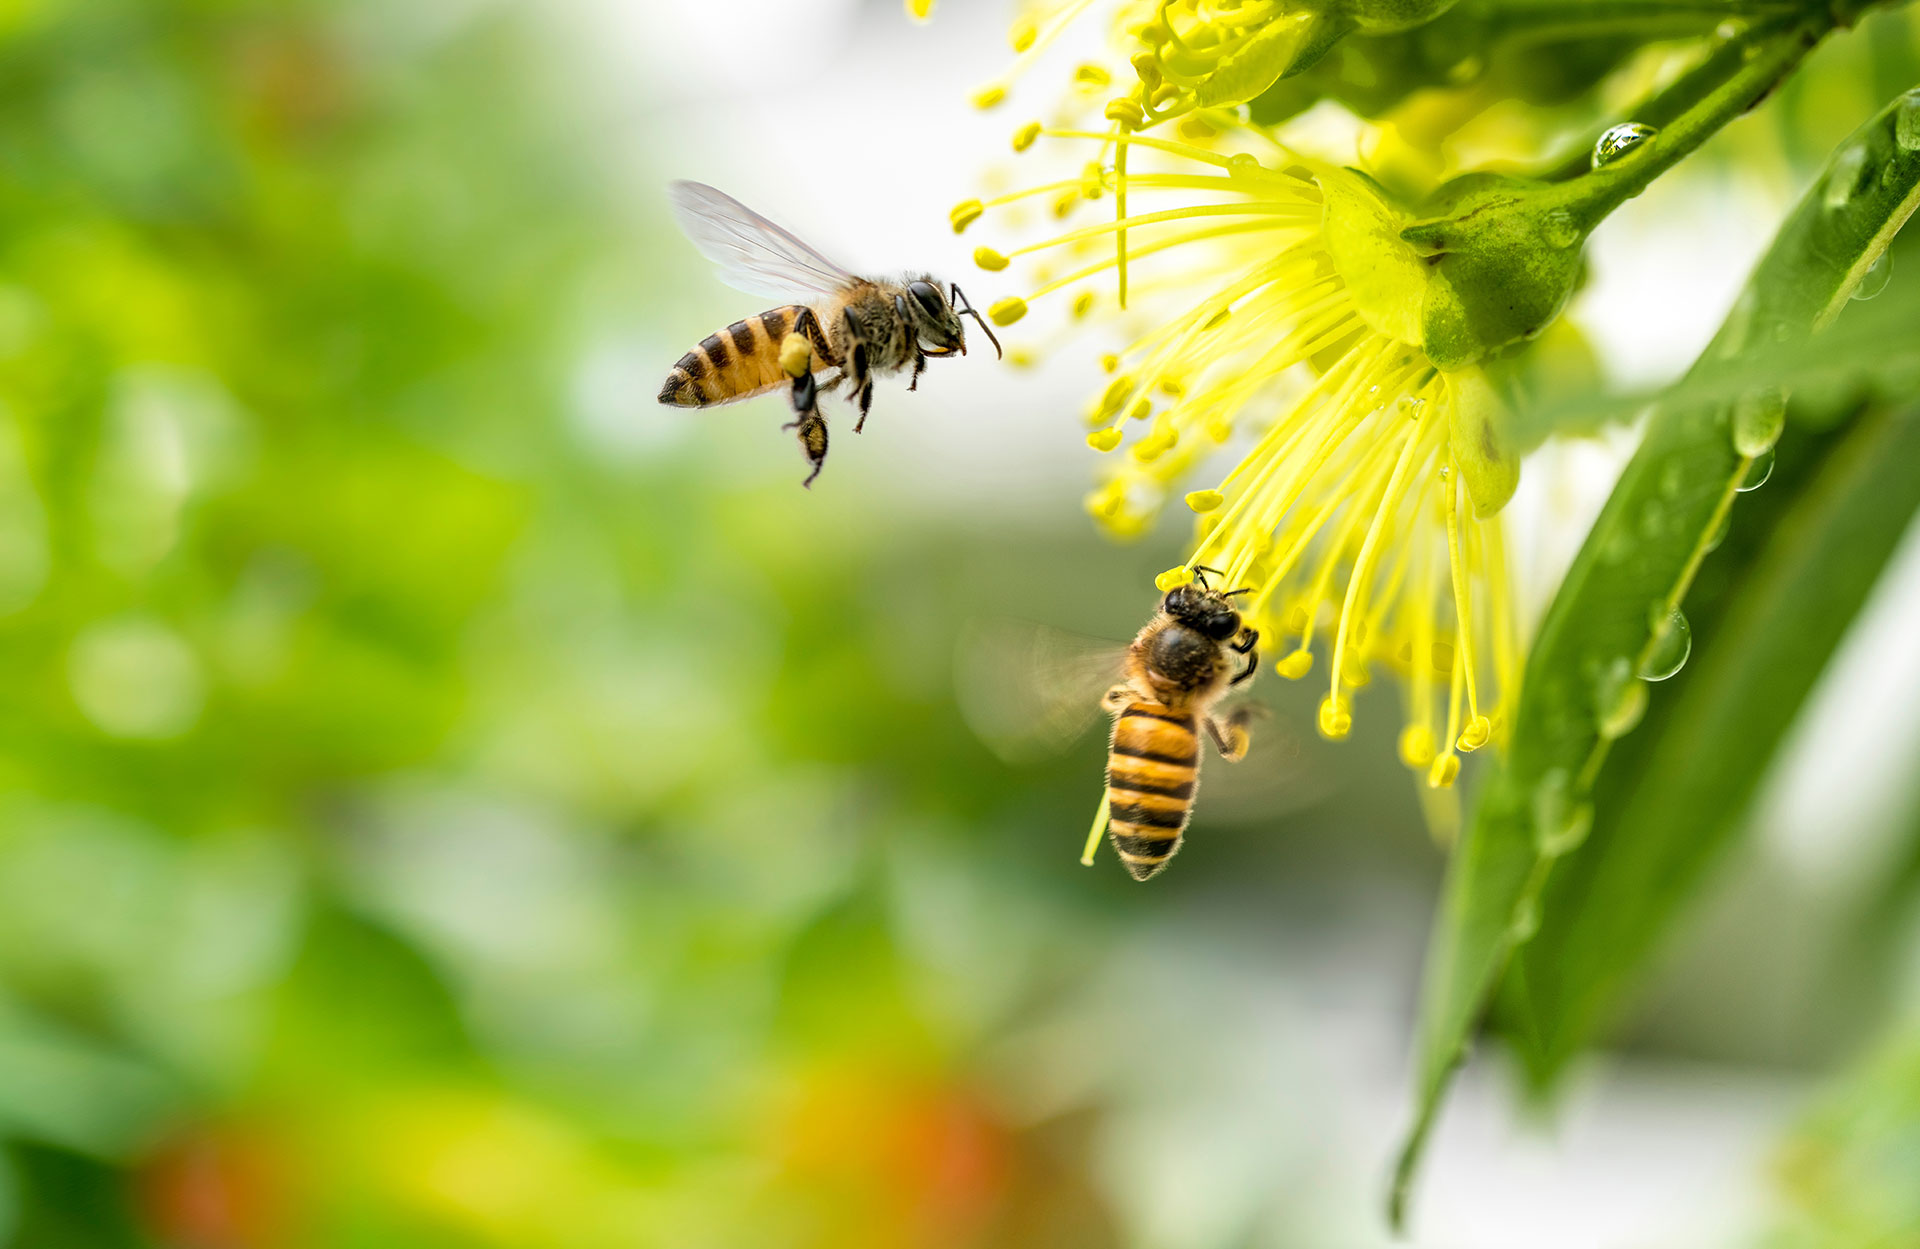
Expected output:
(1200, 573)
(1237, 593)
(967, 310)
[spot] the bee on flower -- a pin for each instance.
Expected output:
(1289, 311)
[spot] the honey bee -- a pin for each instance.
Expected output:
(858, 327)
(1027, 690)
(1178, 667)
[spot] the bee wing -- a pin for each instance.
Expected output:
(753, 254)
(1027, 690)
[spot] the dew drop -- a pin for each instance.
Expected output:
(1560, 823)
(1562, 230)
(1758, 418)
(1875, 279)
(1719, 533)
(1672, 643)
(1243, 162)
(1526, 921)
(1619, 700)
(1757, 472)
(1906, 122)
(1847, 177)
(1619, 140)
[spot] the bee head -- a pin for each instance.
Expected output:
(936, 318)
(1205, 611)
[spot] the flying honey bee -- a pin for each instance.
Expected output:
(1028, 689)
(858, 327)
(1179, 666)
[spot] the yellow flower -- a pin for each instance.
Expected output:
(1362, 512)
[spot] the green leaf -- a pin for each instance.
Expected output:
(1670, 806)
(1581, 690)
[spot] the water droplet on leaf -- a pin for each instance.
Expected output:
(1906, 122)
(1757, 472)
(1758, 418)
(1619, 140)
(1849, 175)
(1619, 699)
(1875, 279)
(1672, 643)
(1560, 823)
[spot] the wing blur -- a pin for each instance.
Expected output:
(752, 253)
(1028, 690)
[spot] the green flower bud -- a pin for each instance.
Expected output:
(1501, 265)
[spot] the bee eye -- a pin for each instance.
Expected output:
(928, 297)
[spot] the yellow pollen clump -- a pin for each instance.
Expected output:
(1173, 578)
(796, 355)
(1008, 310)
(965, 213)
(1023, 138)
(987, 97)
(1205, 500)
(1295, 665)
(989, 259)
(1104, 439)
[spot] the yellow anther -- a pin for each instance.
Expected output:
(1335, 720)
(1164, 94)
(989, 259)
(1127, 112)
(796, 355)
(1218, 319)
(1115, 397)
(1082, 304)
(1020, 357)
(1023, 138)
(1064, 204)
(1092, 77)
(1142, 409)
(1197, 129)
(1475, 735)
(1172, 386)
(1173, 577)
(1109, 362)
(1023, 32)
(965, 213)
(987, 97)
(1443, 772)
(1296, 665)
(919, 10)
(1104, 439)
(1205, 500)
(1147, 66)
(1008, 310)
(1416, 746)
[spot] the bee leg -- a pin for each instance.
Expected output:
(1115, 700)
(1230, 735)
(862, 383)
(1246, 645)
(919, 367)
(811, 425)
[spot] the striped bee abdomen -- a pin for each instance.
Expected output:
(739, 362)
(1153, 769)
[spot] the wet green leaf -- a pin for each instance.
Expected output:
(1605, 623)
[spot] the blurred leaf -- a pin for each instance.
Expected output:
(1849, 1171)
(1582, 687)
(1673, 803)
(70, 1091)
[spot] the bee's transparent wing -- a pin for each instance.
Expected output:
(753, 254)
(1027, 690)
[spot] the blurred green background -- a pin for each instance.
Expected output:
(446, 800)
